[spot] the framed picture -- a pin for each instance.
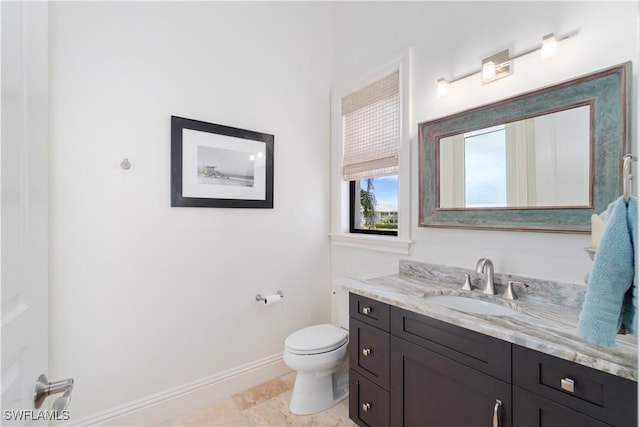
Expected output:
(216, 166)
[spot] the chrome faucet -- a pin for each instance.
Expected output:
(486, 266)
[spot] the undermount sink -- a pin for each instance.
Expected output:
(470, 305)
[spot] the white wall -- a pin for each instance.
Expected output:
(449, 40)
(145, 297)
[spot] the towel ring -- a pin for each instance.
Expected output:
(627, 175)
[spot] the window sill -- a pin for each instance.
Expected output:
(389, 244)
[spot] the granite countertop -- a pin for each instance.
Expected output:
(544, 324)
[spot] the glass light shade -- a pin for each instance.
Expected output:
(549, 46)
(488, 71)
(443, 86)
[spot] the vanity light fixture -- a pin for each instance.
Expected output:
(499, 65)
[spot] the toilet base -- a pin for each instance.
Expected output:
(313, 393)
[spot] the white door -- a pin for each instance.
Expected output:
(23, 207)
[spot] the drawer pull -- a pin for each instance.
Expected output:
(366, 407)
(366, 352)
(496, 413)
(567, 384)
(366, 310)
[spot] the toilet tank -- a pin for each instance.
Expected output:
(341, 305)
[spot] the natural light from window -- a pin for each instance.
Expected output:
(376, 205)
(485, 168)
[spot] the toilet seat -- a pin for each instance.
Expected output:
(316, 339)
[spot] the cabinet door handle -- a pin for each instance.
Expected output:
(366, 352)
(366, 310)
(567, 384)
(496, 413)
(366, 407)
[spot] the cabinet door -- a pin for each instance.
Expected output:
(428, 389)
(530, 410)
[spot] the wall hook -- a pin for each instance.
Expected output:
(125, 164)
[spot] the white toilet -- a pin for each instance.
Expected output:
(319, 355)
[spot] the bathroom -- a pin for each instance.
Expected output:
(151, 308)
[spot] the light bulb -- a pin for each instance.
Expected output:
(549, 46)
(443, 86)
(488, 71)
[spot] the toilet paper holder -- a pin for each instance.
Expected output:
(260, 298)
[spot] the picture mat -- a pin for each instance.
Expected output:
(191, 139)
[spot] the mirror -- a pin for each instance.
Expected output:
(543, 161)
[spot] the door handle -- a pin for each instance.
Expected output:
(45, 388)
(496, 413)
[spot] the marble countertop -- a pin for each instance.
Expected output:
(546, 327)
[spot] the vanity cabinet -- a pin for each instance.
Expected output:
(407, 369)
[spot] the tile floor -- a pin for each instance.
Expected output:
(263, 405)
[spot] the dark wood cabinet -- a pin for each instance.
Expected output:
(582, 390)
(368, 403)
(368, 362)
(530, 410)
(407, 369)
(371, 312)
(484, 353)
(428, 389)
(369, 352)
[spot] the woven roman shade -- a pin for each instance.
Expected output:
(371, 130)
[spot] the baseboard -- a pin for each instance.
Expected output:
(168, 404)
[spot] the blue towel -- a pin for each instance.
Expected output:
(611, 284)
(630, 302)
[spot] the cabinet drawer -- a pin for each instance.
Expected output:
(530, 410)
(369, 311)
(369, 352)
(486, 354)
(600, 395)
(368, 403)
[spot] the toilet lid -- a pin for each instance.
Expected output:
(316, 339)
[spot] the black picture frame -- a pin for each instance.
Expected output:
(242, 176)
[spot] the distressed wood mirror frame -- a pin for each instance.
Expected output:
(607, 91)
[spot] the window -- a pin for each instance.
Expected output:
(374, 206)
(371, 140)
